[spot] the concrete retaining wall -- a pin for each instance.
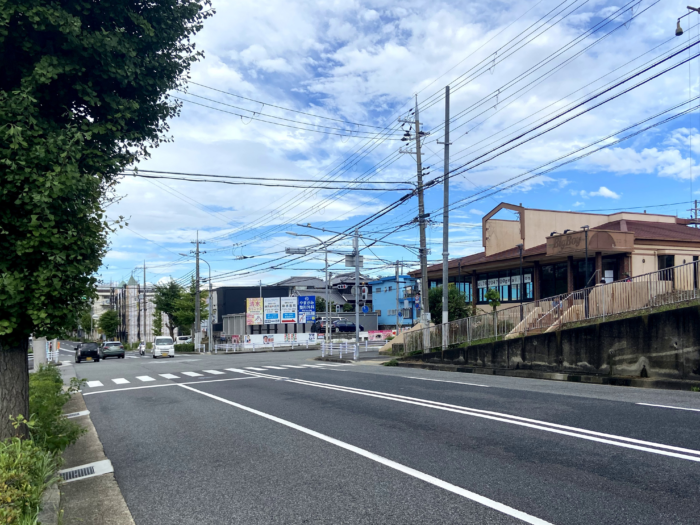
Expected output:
(662, 345)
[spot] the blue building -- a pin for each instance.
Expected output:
(384, 300)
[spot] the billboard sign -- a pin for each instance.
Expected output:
(307, 308)
(272, 310)
(289, 309)
(254, 311)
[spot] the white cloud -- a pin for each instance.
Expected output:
(602, 192)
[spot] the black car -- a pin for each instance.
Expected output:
(87, 352)
(343, 325)
(319, 326)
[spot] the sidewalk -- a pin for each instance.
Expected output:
(95, 500)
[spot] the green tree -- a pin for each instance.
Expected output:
(84, 93)
(109, 323)
(493, 297)
(86, 321)
(347, 307)
(320, 304)
(166, 297)
(457, 305)
(185, 307)
(157, 323)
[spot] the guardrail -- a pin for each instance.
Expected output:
(347, 348)
(241, 347)
(669, 286)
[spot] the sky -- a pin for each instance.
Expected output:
(345, 72)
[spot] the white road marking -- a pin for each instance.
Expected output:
(590, 435)
(500, 507)
(311, 366)
(145, 378)
(443, 381)
(169, 376)
(213, 372)
(100, 467)
(275, 367)
(668, 406)
(239, 370)
(253, 368)
(170, 384)
(120, 381)
(192, 374)
(293, 366)
(94, 384)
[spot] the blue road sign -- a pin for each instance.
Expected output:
(365, 309)
(400, 315)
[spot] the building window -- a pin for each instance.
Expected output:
(553, 280)
(378, 290)
(406, 312)
(389, 289)
(666, 261)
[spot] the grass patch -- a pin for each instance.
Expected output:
(393, 362)
(29, 466)
(695, 388)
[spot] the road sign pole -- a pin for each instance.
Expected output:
(356, 245)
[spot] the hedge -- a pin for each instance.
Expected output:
(185, 348)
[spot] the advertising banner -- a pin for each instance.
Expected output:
(254, 311)
(307, 309)
(289, 309)
(272, 310)
(379, 335)
(279, 339)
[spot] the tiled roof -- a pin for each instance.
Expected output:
(661, 231)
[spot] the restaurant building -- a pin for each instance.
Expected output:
(557, 252)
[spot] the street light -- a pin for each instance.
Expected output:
(520, 286)
(328, 305)
(209, 324)
(679, 30)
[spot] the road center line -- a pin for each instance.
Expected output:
(444, 381)
(590, 435)
(171, 384)
(500, 507)
(668, 406)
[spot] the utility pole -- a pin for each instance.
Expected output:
(197, 320)
(145, 309)
(446, 224)
(421, 212)
(397, 298)
(356, 252)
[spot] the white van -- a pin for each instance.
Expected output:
(163, 347)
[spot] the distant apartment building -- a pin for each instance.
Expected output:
(388, 307)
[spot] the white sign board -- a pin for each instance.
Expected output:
(493, 283)
(481, 284)
(289, 309)
(515, 279)
(527, 278)
(504, 281)
(272, 310)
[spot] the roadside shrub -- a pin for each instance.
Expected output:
(49, 428)
(26, 470)
(185, 348)
(393, 362)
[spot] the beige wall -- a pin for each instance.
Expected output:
(501, 235)
(540, 223)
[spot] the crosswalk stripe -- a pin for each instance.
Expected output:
(120, 381)
(93, 384)
(276, 367)
(145, 378)
(236, 370)
(213, 372)
(311, 366)
(293, 366)
(192, 374)
(253, 368)
(169, 376)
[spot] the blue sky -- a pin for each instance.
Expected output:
(363, 62)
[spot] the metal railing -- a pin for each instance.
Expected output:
(669, 286)
(346, 348)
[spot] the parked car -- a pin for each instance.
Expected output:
(343, 325)
(163, 347)
(87, 352)
(112, 349)
(319, 325)
(183, 340)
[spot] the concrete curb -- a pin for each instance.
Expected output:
(637, 382)
(333, 359)
(50, 505)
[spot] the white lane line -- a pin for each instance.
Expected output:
(668, 406)
(275, 367)
(191, 374)
(145, 378)
(590, 435)
(213, 372)
(311, 366)
(169, 376)
(170, 384)
(500, 507)
(94, 384)
(444, 381)
(253, 368)
(100, 468)
(120, 381)
(293, 366)
(239, 370)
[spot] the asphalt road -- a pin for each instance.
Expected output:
(210, 439)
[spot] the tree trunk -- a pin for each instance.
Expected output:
(14, 387)
(171, 327)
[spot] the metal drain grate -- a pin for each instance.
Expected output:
(78, 473)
